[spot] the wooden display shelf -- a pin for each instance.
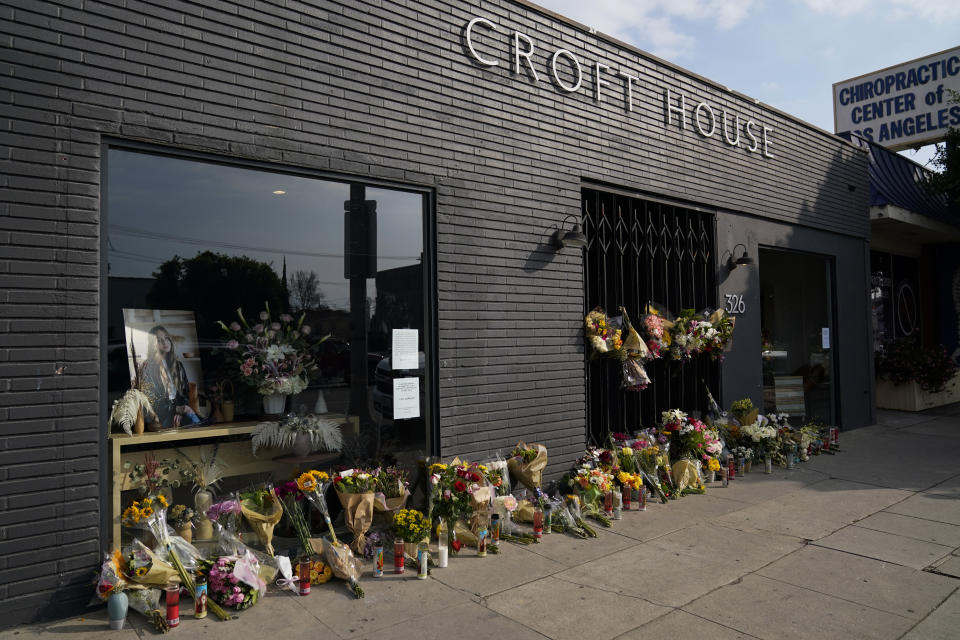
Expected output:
(236, 458)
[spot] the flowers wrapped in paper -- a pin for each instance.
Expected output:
(603, 334)
(144, 567)
(355, 489)
(527, 463)
(344, 565)
(263, 511)
(686, 476)
(391, 494)
(633, 374)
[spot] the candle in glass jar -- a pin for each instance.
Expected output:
(398, 556)
(173, 604)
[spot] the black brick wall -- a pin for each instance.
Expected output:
(370, 88)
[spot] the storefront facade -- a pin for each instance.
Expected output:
(480, 130)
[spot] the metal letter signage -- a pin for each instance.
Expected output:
(567, 76)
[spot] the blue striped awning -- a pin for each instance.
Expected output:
(901, 182)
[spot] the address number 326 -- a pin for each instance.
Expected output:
(735, 303)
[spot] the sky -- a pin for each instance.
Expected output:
(785, 53)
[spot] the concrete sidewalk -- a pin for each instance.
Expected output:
(864, 544)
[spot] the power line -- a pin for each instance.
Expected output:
(154, 235)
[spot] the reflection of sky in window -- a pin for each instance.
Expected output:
(159, 207)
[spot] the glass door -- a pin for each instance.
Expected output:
(796, 292)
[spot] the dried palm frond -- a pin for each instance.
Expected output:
(324, 433)
(127, 407)
(205, 473)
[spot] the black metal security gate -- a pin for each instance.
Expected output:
(639, 252)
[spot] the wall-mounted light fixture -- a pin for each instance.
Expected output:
(572, 238)
(743, 261)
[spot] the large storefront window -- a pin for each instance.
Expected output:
(189, 242)
(796, 292)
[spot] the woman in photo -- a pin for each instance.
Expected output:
(163, 379)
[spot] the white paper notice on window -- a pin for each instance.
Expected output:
(406, 398)
(405, 343)
(825, 337)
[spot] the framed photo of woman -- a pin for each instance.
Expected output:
(164, 361)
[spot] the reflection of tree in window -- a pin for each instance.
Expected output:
(214, 285)
(305, 291)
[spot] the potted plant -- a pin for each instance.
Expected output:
(912, 377)
(301, 434)
(181, 518)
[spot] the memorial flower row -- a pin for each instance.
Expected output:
(464, 505)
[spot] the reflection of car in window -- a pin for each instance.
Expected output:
(384, 376)
(333, 361)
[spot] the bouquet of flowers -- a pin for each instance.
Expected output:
(718, 338)
(572, 504)
(355, 489)
(344, 565)
(633, 374)
(506, 506)
(141, 513)
(498, 473)
(626, 457)
(602, 334)
(712, 465)
(226, 514)
(312, 486)
(688, 335)
(629, 481)
(742, 452)
(291, 497)
(146, 601)
(262, 510)
(495, 476)
(526, 463)
(655, 331)
(650, 460)
(141, 565)
(233, 581)
(391, 489)
(763, 436)
(460, 490)
(110, 579)
(744, 411)
(274, 357)
(563, 521)
(591, 483)
(410, 525)
(686, 477)
(181, 516)
(338, 556)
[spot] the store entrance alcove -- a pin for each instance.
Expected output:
(796, 292)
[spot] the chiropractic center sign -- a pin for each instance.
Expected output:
(565, 71)
(900, 107)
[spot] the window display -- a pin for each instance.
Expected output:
(208, 260)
